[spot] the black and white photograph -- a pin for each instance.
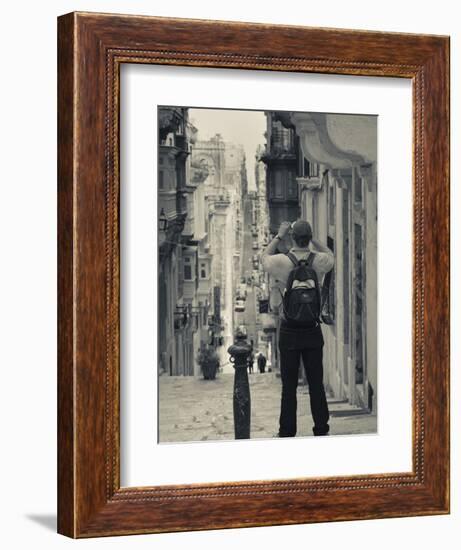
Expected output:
(267, 274)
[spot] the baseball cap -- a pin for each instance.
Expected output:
(302, 228)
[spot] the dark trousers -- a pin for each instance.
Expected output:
(289, 368)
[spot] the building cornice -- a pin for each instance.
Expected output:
(323, 138)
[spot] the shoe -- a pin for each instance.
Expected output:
(321, 431)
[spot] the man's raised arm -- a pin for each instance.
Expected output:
(328, 259)
(271, 248)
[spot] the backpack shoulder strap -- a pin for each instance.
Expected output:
(292, 257)
(310, 259)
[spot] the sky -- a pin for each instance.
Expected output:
(244, 128)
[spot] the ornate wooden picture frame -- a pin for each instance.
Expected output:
(92, 48)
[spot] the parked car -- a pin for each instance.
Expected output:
(239, 305)
(255, 245)
(255, 261)
(242, 291)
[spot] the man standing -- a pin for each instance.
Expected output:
(296, 340)
(251, 358)
(261, 362)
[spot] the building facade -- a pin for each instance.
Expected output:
(183, 299)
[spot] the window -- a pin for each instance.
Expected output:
(278, 192)
(204, 310)
(283, 185)
(347, 277)
(203, 270)
(331, 202)
(331, 296)
(292, 186)
(306, 167)
(181, 174)
(314, 170)
(187, 269)
(358, 189)
(161, 183)
(315, 202)
(359, 302)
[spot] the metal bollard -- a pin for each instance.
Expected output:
(239, 352)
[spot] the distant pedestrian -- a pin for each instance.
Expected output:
(251, 359)
(262, 362)
(299, 274)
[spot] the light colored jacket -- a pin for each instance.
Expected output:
(279, 266)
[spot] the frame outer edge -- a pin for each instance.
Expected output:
(66, 524)
(437, 287)
(85, 506)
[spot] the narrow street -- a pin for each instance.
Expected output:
(232, 318)
(227, 312)
(249, 316)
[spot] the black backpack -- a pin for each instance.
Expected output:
(301, 299)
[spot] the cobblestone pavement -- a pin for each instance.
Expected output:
(192, 409)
